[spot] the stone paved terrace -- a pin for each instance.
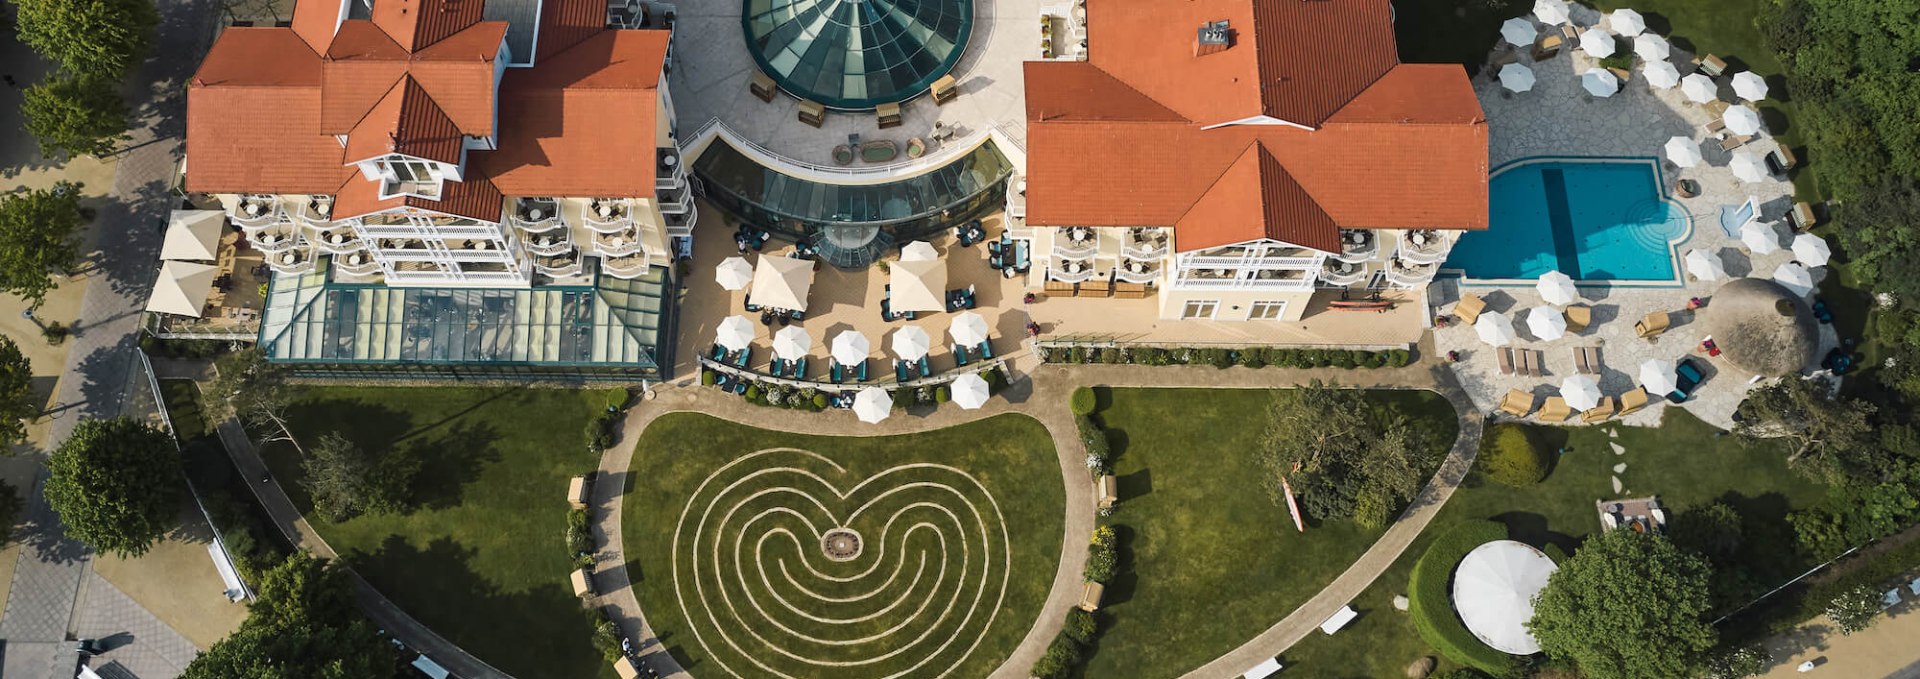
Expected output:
(1559, 118)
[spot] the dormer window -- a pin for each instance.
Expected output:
(401, 175)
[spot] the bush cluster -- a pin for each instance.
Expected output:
(1511, 455)
(1248, 357)
(579, 536)
(1099, 449)
(1103, 557)
(600, 430)
(1083, 401)
(606, 635)
(1070, 647)
(182, 348)
(1430, 602)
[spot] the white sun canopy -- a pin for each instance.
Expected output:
(1651, 47)
(782, 283)
(1494, 328)
(733, 273)
(1547, 323)
(872, 404)
(1661, 74)
(1493, 590)
(1516, 77)
(1518, 31)
(734, 333)
(1749, 86)
(193, 235)
(1658, 376)
(1551, 12)
(917, 285)
(970, 391)
(1705, 265)
(850, 347)
(1626, 22)
(182, 288)
(1683, 151)
(1600, 82)
(1699, 88)
(1811, 250)
(792, 343)
(911, 343)
(1597, 43)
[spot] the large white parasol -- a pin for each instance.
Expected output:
(919, 251)
(968, 329)
(970, 391)
(734, 333)
(1547, 323)
(1705, 266)
(792, 343)
(1749, 86)
(1597, 43)
(1658, 376)
(911, 343)
(850, 347)
(1699, 88)
(1741, 120)
(1627, 22)
(733, 273)
(1683, 151)
(1794, 278)
(1494, 328)
(1556, 288)
(1599, 82)
(872, 404)
(1651, 47)
(1516, 77)
(1551, 12)
(1748, 167)
(1518, 31)
(1811, 250)
(1661, 74)
(1580, 391)
(1760, 237)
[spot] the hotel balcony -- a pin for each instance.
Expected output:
(1357, 245)
(1137, 272)
(356, 264)
(296, 260)
(316, 213)
(256, 211)
(1145, 244)
(630, 266)
(1407, 274)
(670, 173)
(275, 237)
(609, 215)
(621, 244)
(1017, 197)
(1077, 242)
(562, 265)
(681, 223)
(1340, 274)
(400, 244)
(1422, 246)
(548, 244)
(535, 215)
(337, 240)
(1070, 271)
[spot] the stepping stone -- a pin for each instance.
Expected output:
(1616, 485)
(1617, 448)
(1613, 433)
(1400, 602)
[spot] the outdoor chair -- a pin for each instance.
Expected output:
(1733, 142)
(1802, 217)
(743, 358)
(960, 355)
(887, 115)
(1469, 308)
(718, 353)
(836, 372)
(1517, 403)
(986, 349)
(1651, 326)
(1600, 413)
(900, 371)
(860, 374)
(1579, 316)
(944, 89)
(1580, 360)
(812, 113)
(926, 367)
(1547, 47)
(1021, 259)
(1524, 356)
(1505, 355)
(800, 368)
(1555, 410)
(1713, 66)
(1538, 363)
(761, 86)
(1633, 401)
(1782, 159)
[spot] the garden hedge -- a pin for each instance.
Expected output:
(1511, 455)
(1430, 598)
(1083, 401)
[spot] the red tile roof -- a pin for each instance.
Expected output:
(1123, 139)
(416, 24)
(475, 198)
(407, 122)
(581, 123)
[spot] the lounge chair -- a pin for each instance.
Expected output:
(800, 368)
(901, 371)
(1579, 316)
(1782, 159)
(887, 115)
(1802, 217)
(1555, 410)
(944, 89)
(986, 349)
(926, 367)
(1505, 355)
(1517, 403)
(1525, 357)
(1654, 324)
(960, 355)
(1059, 287)
(860, 374)
(812, 113)
(1632, 401)
(1538, 362)
(1733, 142)
(836, 372)
(1580, 361)
(1713, 66)
(718, 353)
(761, 86)
(745, 357)
(1600, 413)
(1469, 308)
(1547, 47)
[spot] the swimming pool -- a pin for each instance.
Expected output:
(1595, 219)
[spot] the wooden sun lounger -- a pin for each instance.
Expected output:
(1098, 287)
(1556, 410)
(1580, 361)
(1602, 412)
(1517, 403)
(1060, 287)
(761, 86)
(1506, 360)
(1733, 142)
(1526, 361)
(1538, 363)
(1125, 290)
(1632, 401)
(1469, 308)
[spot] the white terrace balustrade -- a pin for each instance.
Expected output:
(1338, 273)
(631, 266)
(1357, 245)
(608, 215)
(1144, 244)
(626, 242)
(1077, 242)
(1422, 246)
(316, 213)
(356, 264)
(548, 244)
(1137, 272)
(257, 211)
(671, 173)
(534, 215)
(296, 260)
(562, 265)
(337, 240)
(275, 237)
(1071, 271)
(1409, 274)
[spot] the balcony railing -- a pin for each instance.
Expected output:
(1422, 246)
(279, 238)
(566, 265)
(316, 213)
(296, 260)
(356, 264)
(681, 224)
(617, 244)
(1342, 273)
(1017, 197)
(608, 216)
(256, 211)
(548, 245)
(1137, 274)
(1244, 284)
(534, 215)
(625, 267)
(672, 174)
(1404, 273)
(1357, 246)
(1075, 243)
(1144, 250)
(338, 240)
(1070, 272)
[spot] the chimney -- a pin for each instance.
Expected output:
(1214, 37)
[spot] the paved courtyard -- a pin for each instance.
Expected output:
(1559, 118)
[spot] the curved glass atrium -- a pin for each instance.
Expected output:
(856, 54)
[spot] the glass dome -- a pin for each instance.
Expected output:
(856, 54)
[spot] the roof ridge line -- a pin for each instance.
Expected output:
(1227, 167)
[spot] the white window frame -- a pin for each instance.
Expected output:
(1276, 308)
(1212, 307)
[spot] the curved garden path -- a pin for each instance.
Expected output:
(1044, 397)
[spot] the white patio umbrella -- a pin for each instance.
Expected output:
(782, 282)
(1599, 82)
(1811, 250)
(734, 333)
(1741, 120)
(1795, 278)
(1661, 74)
(1494, 328)
(917, 285)
(1597, 43)
(970, 391)
(733, 273)
(1518, 31)
(911, 343)
(1547, 323)
(1749, 86)
(1705, 266)
(1627, 22)
(850, 347)
(872, 404)
(1556, 288)
(1760, 237)
(1658, 376)
(1651, 47)
(1748, 167)
(182, 288)
(1580, 391)
(1683, 151)
(968, 329)
(1551, 12)
(792, 343)
(1516, 77)
(919, 251)
(193, 235)
(1699, 88)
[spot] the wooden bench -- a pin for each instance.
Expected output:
(1802, 216)
(1712, 66)
(1547, 47)
(1098, 287)
(1782, 159)
(1130, 290)
(1060, 287)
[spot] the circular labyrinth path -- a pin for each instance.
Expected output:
(785, 566)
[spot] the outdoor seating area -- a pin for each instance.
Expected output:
(209, 281)
(1640, 515)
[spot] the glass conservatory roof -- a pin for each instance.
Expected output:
(856, 54)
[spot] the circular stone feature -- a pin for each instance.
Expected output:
(856, 54)
(841, 544)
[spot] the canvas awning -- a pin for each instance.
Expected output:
(582, 586)
(193, 235)
(782, 283)
(918, 284)
(182, 288)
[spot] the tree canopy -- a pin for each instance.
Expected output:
(116, 484)
(1344, 456)
(18, 405)
(89, 37)
(303, 626)
(1835, 434)
(76, 115)
(346, 481)
(247, 386)
(37, 236)
(1626, 605)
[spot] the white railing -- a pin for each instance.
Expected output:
(684, 225)
(1400, 274)
(338, 241)
(548, 246)
(1129, 275)
(625, 267)
(1145, 250)
(1358, 252)
(1332, 275)
(826, 173)
(292, 261)
(619, 215)
(1244, 284)
(557, 266)
(1072, 249)
(1230, 262)
(616, 245)
(279, 240)
(1070, 277)
(1432, 250)
(256, 212)
(366, 265)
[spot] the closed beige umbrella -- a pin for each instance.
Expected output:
(918, 285)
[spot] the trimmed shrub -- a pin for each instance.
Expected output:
(942, 394)
(579, 538)
(1430, 601)
(820, 401)
(1103, 559)
(1252, 358)
(606, 636)
(753, 394)
(1083, 402)
(708, 378)
(1399, 358)
(1095, 440)
(599, 432)
(1080, 627)
(1511, 455)
(1058, 661)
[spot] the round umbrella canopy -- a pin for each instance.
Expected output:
(791, 343)
(911, 343)
(1551, 12)
(970, 391)
(1494, 328)
(1795, 278)
(1580, 391)
(919, 251)
(1749, 86)
(850, 347)
(1599, 82)
(1704, 266)
(734, 333)
(1661, 74)
(733, 273)
(1597, 43)
(1748, 167)
(1627, 22)
(872, 404)
(1547, 323)
(968, 329)
(1683, 151)
(1699, 88)
(1518, 31)
(1556, 288)
(1651, 47)
(1811, 250)
(1741, 120)
(1760, 238)
(1658, 376)
(1516, 77)
(1493, 592)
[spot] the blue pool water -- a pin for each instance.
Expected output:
(1590, 219)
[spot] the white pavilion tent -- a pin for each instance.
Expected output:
(1493, 591)
(918, 285)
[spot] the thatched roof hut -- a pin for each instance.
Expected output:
(1761, 327)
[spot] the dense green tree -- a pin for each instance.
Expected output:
(18, 405)
(1853, 514)
(1343, 456)
(1837, 443)
(1882, 239)
(104, 38)
(37, 237)
(302, 626)
(1854, 609)
(246, 385)
(1711, 530)
(345, 481)
(76, 115)
(1738, 663)
(1511, 455)
(116, 484)
(1626, 605)
(10, 506)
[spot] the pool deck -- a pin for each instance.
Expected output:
(1558, 118)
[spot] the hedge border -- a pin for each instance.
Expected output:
(1430, 600)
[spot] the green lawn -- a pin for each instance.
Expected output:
(1682, 461)
(1208, 561)
(483, 559)
(961, 531)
